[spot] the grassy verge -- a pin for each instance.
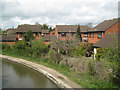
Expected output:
(85, 80)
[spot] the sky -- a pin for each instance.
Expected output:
(56, 12)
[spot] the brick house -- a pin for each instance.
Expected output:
(102, 29)
(62, 31)
(36, 29)
(108, 41)
(8, 39)
(11, 31)
(50, 38)
(45, 33)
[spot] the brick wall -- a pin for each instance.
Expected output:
(113, 29)
(10, 43)
(95, 38)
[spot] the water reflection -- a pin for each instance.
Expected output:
(18, 76)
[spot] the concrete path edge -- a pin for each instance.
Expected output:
(48, 72)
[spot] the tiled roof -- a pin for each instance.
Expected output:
(45, 31)
(104, 25)
(8, 38)
(72, 28)
(11, 31)
(26, 27)
(108, 41)
(50, 38)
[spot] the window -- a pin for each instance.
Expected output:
(93, 35)
(63, 34)
(85, 34)
(89, 35)
(99, 35)
(21, 35)
(102, 32)
(37, 34)
(85, 39)
(72, 34)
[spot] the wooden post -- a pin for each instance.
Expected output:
(95, 52)
(58, 50)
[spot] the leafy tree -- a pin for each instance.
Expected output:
(28, 36)
(50, 29)
(45, 26)
(2, 32)
(78, 35)
(38, 47)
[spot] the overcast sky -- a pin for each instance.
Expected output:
(54, 12)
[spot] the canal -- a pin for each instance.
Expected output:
(19, 76)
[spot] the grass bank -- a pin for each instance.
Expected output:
(85, 80)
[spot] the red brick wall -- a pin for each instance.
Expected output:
(113, 29)
(10, 43)
(56, 32)
(95, 39)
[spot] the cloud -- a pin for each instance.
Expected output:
(52, 12)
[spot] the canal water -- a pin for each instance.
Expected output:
(19, 76)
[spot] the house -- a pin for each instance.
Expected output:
(45, 32)
(11, 31)
(69, 31)
(8, 39)
(36, 29)
(49, 39)
(108, 26)
(108, 41)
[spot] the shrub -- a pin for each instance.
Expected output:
(111, 57)
(91, 68)
(38, 47)
(100, 52)
(78, 51)
(19, 47)
(54, 57)
(5, 46)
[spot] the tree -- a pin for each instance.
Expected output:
(2, 32)
(65, 46)
(50, 29)
(28, 36)
(78, 34)
(45, 26)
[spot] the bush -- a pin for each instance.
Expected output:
(5, 46)
(19, 47)
(39, 48)
(100, 52)
(111, 57)
(92, 70)
(54, 57)
(78, 51)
